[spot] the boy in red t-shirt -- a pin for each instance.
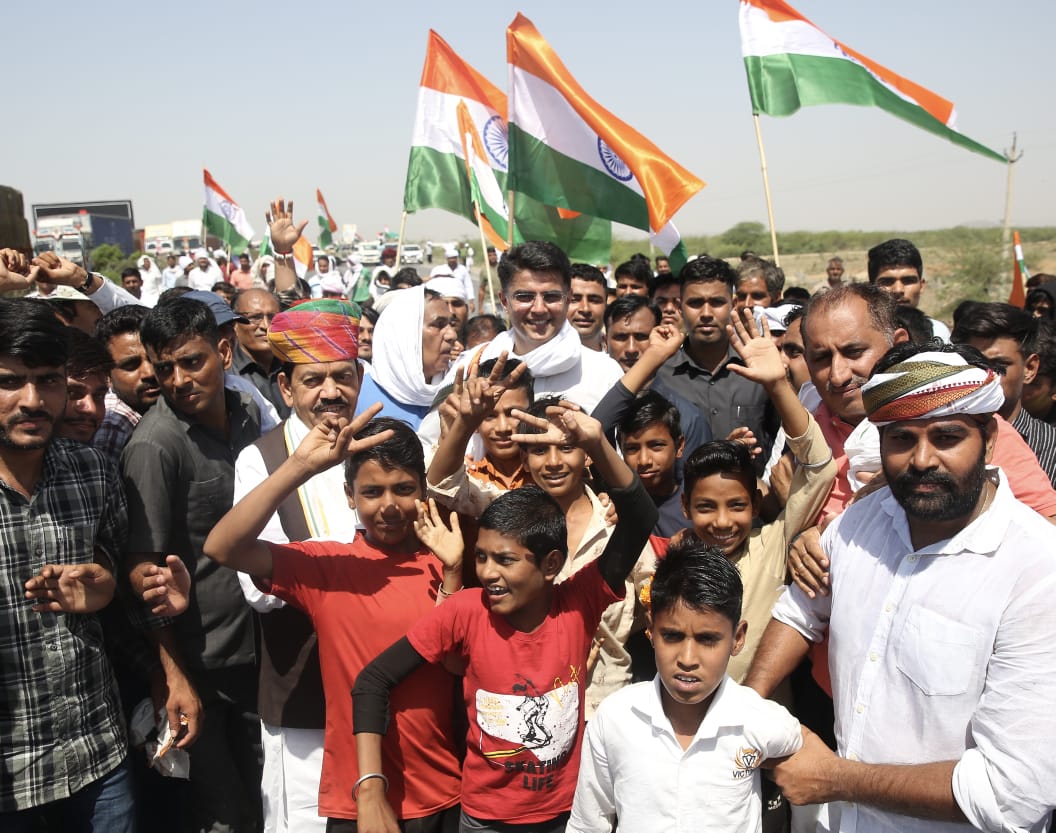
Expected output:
(361, 596)
(521, 643)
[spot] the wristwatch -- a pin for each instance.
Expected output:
(87, 282)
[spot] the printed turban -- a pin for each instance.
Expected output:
(931, 385)
(325, 330)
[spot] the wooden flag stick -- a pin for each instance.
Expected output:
(487, 266)
(509, 225)
(766, 189)
(399, 241)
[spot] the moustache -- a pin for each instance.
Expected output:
(32, 416)
(928, 478)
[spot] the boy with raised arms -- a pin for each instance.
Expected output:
(521, 641)
(362, 596)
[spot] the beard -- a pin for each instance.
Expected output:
(29, 443)
(954, 498)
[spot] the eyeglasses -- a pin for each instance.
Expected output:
(256, 318)
(552, 298)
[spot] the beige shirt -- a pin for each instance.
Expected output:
(763, 561)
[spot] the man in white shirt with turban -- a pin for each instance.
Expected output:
(940, 623)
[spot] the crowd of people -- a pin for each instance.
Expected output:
(363, 551)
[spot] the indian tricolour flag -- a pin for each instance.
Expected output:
(327, 226)
(791, 63)
(493, 215)
(437, 172)
(567, 150)
(224, 218)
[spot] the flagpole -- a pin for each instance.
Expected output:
(399, 241)
(487, 263)
(1011, 158)
(509, 225)
(766, 189)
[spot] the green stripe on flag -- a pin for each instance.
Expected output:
(218, 226)
(780, 84)
(549, 176)
(439, 180)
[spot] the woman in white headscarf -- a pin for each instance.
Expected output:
(152, 281)
(263, 271)
(413, 340)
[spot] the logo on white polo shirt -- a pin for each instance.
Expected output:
(746, 761)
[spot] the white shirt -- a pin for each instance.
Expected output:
(584, 384)
(204, 280)
(943, 654)
(339, 519)
(634, 769)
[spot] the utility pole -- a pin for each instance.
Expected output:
(1011, 157)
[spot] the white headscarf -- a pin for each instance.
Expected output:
(152, 280)
(258, 279)
(558, 355)
(397, 364)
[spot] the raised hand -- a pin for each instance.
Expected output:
(445, 542)
(59, 270)
(565, 424)
(762, 359)
(71, 588)
(746, 437)
(477, 397)
(333, 441)
(15, 271)
(664, 340)
(167, 589)
(284, 233)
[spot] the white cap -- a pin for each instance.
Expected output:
(450, 251)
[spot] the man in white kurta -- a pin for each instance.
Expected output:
(940, 625)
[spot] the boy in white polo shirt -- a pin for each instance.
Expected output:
(683, 752)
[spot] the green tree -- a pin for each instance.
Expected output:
(109, 260)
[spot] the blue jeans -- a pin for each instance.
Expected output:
(104, 806)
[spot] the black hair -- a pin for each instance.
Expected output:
(370, 314)
(407, 277)
(181, 317)
(719, 457)
(894, 253)
(995, 320)
(649, 409)
(482, 325)
(586, 272)
(525, 383)
(663, 282)
(637, 269)
(126, 319)
(30, 333)
(532, 518)
(914, 322)
(537, 409)
(130, 272)
(759, 267)
(86, 354)
(627, 305)
(403, 450)
(880, 304)
(1045, 347)
(1042, 293)
(907, 350)
(664, 258)
(706, 269)
(64, 308)
(534, 256)
(699, 576)
(224, 286)
(172, 294)
(795, 294)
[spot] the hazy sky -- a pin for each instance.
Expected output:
(118, 99)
